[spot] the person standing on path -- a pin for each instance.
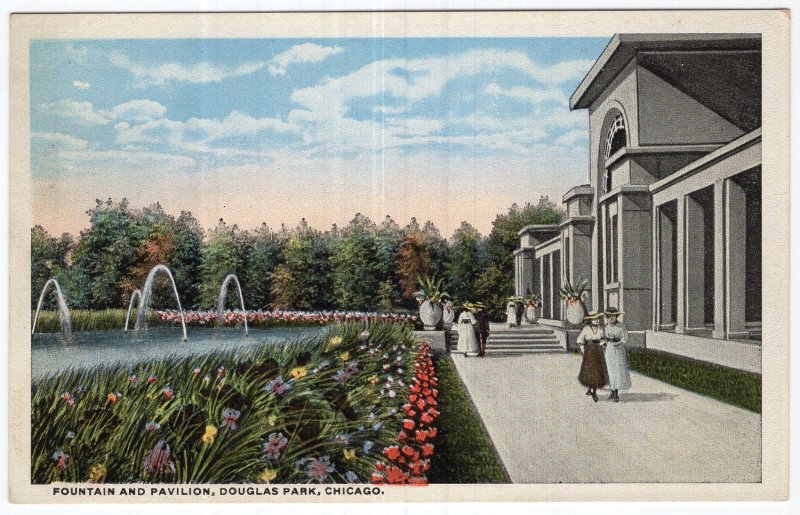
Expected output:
(511, 313)
(467, 341)
(593, 372)
(482, 327)
(520, 310)
(616, 336)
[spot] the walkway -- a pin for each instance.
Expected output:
(547, 431)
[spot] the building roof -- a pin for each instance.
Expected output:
(576, 191)
(623, 47)
(538, 228)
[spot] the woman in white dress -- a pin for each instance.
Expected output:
(616, 336)
(467, 340)
(511, 313)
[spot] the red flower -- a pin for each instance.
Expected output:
(421, 404)
(427, 449)
(408, 424)
(425, 418)
(432, 432)
(408, 450)
(396, 475)
(392, 452)
(402, 437)
(421, 436)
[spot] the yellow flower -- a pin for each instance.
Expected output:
(97, 473)
(349, 454)
(334, 342)
(373, 380)
(268, 475)
(344, 356)
(209, 435)
(112, 398)
(298, 372)
(271, 420)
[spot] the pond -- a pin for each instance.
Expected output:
(49, 354)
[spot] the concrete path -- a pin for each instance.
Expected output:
(547, 431)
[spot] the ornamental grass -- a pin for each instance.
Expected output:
(313, 410)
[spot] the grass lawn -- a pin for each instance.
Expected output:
(464, 451)
(735, 387)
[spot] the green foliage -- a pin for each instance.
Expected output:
(728, 385)
(91, 320)
(573, 291)
(186, 259)
(222, 255)
(464, 263)
(303, 280)
(431, 289)
(356, 266)
(422, 253)
(262, 255)
(106, 439)
(464, 451)
(48, 259)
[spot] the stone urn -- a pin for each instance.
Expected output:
(575, 311)
(448, 314)
(531, 314)
(430, 313)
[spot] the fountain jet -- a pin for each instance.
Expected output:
(63, 309)
(146, 297)
(137, 293)
(223, 295)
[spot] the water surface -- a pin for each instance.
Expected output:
(50, 354)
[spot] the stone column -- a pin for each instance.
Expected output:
(736, 258)
(656, 274)
(666, 262)
(719, 259)
(695, 264)
(680, 316)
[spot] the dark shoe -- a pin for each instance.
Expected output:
(616, 398)
(594, 397)
(589, 391)
(611, 396)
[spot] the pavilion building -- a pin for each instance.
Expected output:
(668, 228)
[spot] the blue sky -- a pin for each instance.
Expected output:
(275, 130)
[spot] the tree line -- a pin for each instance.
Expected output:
(365, 265)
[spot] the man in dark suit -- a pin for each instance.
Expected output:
(520, 311)
(482, 327)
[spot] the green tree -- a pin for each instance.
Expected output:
(49, 258)
(497, 282)
(302, 280)
(465, 262)
(422, 252)
(356, 266)
(222, 255)
(105, 254)
(262, 255)
(186, 259)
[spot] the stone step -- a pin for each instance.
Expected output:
(535, 350)
(551, 341)
(523, 344)
(506, 336)
(525, 330)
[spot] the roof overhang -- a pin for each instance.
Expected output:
(623, 47)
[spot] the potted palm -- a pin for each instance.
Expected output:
(532, 305)
(430, 298)
(573, 295)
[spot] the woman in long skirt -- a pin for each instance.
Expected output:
(616, 336)
(593, 372)
(511, 313)
(467, 339)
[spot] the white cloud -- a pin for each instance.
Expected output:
(81, 85)
(76, 54)
(533, 96)
(304, 53)
(200, 73)
(415, 79)
(84, 113)
(59, 140)
(572, 137)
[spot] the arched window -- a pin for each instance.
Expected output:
(616, 138)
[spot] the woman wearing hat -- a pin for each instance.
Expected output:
(467, 340)
(511, 313)
(593, 372)
(616, 336)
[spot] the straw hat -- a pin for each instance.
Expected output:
(612, 312)
(592, 315)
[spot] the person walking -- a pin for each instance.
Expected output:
(593, 373)
(616, 336)
(467, 340)
(519, 311)
(511, 313)
(482, 327)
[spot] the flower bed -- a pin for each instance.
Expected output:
(410, 459)
(281, 318)
(318, 410)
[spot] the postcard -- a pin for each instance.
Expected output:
(399, 257)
